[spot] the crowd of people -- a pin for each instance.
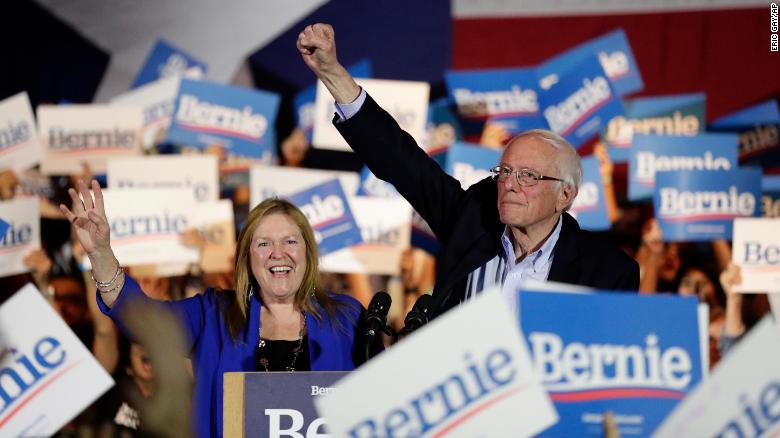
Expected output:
(276, 311)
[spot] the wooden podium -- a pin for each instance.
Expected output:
(267, 404)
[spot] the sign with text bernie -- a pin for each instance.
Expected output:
(19, 145)
(274, 181)
(758, 127)
(701, 205)
(21, 233)
(636, 356)
(157, 100)
(680, 115)
(589, 207)
(481, 385)
(655, 153)
(613, 52)
(48, 375)
(328, 211)
(470, 163)
(581, 103)
(237, 119)
(756, 249)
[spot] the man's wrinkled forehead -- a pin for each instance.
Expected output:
(529, 151)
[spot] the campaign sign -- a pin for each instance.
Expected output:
(681, 115)
(757, 126)
(198, 173)
(385, 226)
(469, 163)
(146, 225)
(237, 119)
(481, 385)
(443, 127)
(166, 61)
(370, 185)
(4, 226)
(269, 182)
(589, 208)
(581, 103)
(770, 196)
(22, 235)
(636, 356)
(216, 223)
(48, 375)
(327, 209)
(613, 52)
(756, 249)
(655, 153)
(701, 205)
(157, 100)
(406, 101)
(276, 405)
(19, 146)
(507, 94)
(304, 101)
(74, 135)
(741, 398)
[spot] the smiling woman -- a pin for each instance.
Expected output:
(277, 319)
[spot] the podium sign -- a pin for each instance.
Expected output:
(275, 405)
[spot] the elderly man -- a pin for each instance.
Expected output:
(501, 231)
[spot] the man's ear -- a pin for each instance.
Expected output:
(566, 196)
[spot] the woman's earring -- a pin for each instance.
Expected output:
(249, 295)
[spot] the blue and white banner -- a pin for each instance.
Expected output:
(613, 52)
(681, 115)
(581, 103)
(770, 196)
(510, 95)
(636, 356)
(327, 209)
(701, 205)
(157, 100)
(237, 119)
(655, 153)
(589, 207)
(758, 127)
(165, 61)
(470, 163)
(304, 101)
(276, 405)
(443, 128)
(19, 145)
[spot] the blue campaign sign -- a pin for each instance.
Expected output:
(370, 185)
(770, 196)
(304, 100)
(613, 52)
(654, 153)
(589, 207)
(282, 404)
(681, 114)
(505, 94)
(238, 119)
(327, 209)
(469, 163)
(759, 133)
(700, 205)
(581, 103)
(443, 127)
(636, 356)
(4, 226)
(166, 60)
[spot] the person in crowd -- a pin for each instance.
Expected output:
(498, 232)
(276, 319)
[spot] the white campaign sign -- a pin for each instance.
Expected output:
(406, 101)
(471, 376)
(19, 145)
(146, 225)
(48, 375)
(266, 182)
(74, 135)
(198, 173)
(756, 243)
(386, 226)
(216, 222)
(23, 236)
(742, 396)
(157, 100)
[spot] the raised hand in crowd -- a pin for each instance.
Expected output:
(495, 135)
(40, 267)
(8, 183)
(729, 280)
(294, 148)
(87, 216)
(649, 256)
(606, 168)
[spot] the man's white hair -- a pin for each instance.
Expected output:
(569, 165)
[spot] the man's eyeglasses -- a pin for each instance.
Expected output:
(524, 176)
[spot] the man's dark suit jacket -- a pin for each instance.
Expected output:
(466, 222)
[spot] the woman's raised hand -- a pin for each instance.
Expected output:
(88, 218)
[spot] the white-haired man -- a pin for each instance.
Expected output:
(500, 231)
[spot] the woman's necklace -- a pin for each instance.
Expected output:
(296, 351)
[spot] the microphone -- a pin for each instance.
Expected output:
(376, 316)
(419, 315)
